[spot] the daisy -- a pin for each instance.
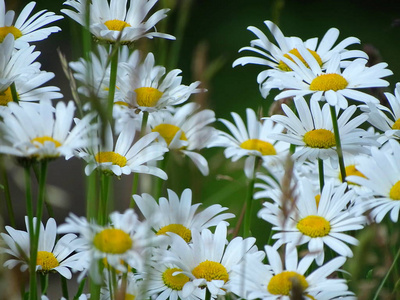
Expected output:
(114, 20)
(185, 131)
(283, 280)
(382, 177)
(313, 131)
(253, 140)
(331, 84)
(126, 156)
(52, 256)
(15, 63)
(134, 288)
(208, 261)
(307, 221)
(44, 132)
(26, 29)
(178, 215)
(123, 241)
(150, 88)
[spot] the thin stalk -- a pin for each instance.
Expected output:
(14, 93)
(135, 185)
(249, 201)
(32, 254)
(208, 294)
(80, 289)
(144, 123)
(7, 195)
(338, 143)
(91, 196)
(321, 174)
(159, 181)
(44, 283)
(103, 211)
(64, 287)
(113, 80)
(387, 275)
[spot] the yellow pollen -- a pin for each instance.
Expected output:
(168, 132)
(116, 25)
(327, 82)
(122, 103)
(319, 138)
(46, 260)
(113, 157)
(284, 67)
(211, 270)
(317, 199)
(6, 97)
(43, 139)
(129, 297)
(314, 226)
(395, 191)
(282, 283)
(396, 125)
(262, 146)
(147, 96)
(112, 240)
(179, 229)
(4, 31)
(174, 282)
(352, 170)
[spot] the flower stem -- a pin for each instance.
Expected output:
(113, 80)
(104, 194)
(338, 143)
(144, 123)
(249, 201)
(64, 287)
(321, 174)
(7, 195)
(159, 181)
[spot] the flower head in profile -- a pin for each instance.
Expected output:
(178, 215)
(149, 87)
(52, 256)
(185, 131)
(26, 29)
(285, 279)
(315, 220)
(127, 155)
(124, 21)
(252, 140)
(43, 132)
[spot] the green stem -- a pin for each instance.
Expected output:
(160, 182)
(14, 93)
(7, 195)
(135, 185)
(44, 282)
(338, 143)
(249, 201)
(64, 287)
(208, 294)
(387, 275)
(113, 80)
(32, 254)
(144, 123)
(321, 174)
(103, 211)
(91, 196)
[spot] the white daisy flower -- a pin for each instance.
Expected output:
(209, 260)
(150, 88)
(116, 20)
(270, 53)
(15, 63)
(382, 178)
(26, 29)
(124, 240)
(312, 223)
(331, 84)
(52, 256)
(44, 132)
(134, 288)
(283, 280)
(253, 140)
(127, 155)
(178, 215)
(312, 131)
(186, 130)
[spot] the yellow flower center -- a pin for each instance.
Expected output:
(319, 138)
(147, 96)
(262, 146)
(6, 97)
(168, 132)
(129, 297)
(284, 67)
(326, 82)
(116, 25)
(317, 199)
(174, 282)
(46, 260)
(396, 125)
(112, 240)
(395, 191)
(43, 139)
(282, 283)
(211, 270)
(114, 158)
(352, 170)
(122, 103)
(314, 226)
(4, 31)
(178, 229)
